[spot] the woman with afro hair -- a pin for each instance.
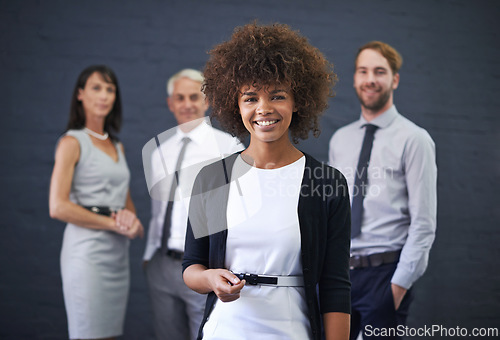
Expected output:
(269, 228)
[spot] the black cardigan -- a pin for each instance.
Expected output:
(324, 218)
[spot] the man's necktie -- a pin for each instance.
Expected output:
(361, 180)
(168, 213)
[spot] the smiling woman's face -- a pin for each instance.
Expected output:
(266, 112)
(98, 96)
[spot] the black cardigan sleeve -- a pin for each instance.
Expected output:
(196, 249)
(335, 285)
(207, 223)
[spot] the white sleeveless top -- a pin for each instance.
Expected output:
(263, 238)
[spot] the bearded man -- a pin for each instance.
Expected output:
(390, 166)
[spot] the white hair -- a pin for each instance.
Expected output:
(185, 73)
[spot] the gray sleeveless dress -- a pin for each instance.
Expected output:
(95, 263)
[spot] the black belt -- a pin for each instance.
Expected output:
(279, 281)
(106, 211)
(373, 260)
(176, 255)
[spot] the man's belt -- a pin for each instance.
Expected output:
(176, 255)
(373, 260)
(278, 281)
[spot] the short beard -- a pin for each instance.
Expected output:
(377, 105)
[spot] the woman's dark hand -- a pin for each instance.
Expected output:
(224, 284)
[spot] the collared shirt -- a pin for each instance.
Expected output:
(399, 209)
(206, 146)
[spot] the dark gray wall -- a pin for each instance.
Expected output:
(449, 85)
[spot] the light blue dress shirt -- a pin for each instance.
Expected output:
(399, 209)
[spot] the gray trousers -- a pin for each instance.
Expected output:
(177, 310)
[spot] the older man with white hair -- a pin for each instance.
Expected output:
(178, 310)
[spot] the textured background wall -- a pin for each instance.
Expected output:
(449, 85)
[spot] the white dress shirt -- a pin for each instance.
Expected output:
(399, 209)
(160, 157)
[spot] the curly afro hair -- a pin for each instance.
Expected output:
(261, 55)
